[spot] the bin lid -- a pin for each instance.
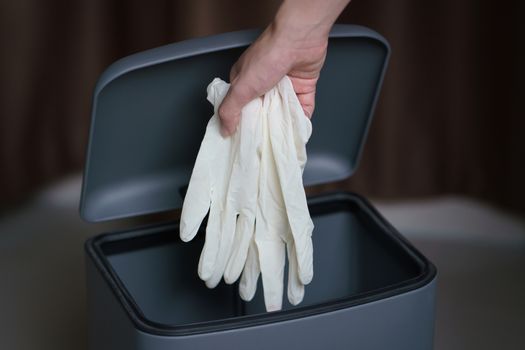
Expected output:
(150, 112)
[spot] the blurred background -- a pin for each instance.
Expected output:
(444, 161)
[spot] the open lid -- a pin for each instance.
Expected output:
(150, 114)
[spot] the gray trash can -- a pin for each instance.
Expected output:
(371, 288)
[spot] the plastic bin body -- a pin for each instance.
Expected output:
(372, 290)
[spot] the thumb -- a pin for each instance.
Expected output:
(239, 95)
(307, 102)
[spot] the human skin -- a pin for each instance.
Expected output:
(293, 44)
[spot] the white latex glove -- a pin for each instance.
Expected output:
(224, 182)
(282, 219)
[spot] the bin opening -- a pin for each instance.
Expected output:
(353, 261)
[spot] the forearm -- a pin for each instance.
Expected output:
(309, 20)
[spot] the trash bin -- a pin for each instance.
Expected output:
(371, 288)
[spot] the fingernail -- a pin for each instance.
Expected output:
(308, 114)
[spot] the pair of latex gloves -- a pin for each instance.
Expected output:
(251, 185)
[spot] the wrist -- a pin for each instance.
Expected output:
(299, 23)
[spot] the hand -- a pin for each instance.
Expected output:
(280, 50)
(294, 44)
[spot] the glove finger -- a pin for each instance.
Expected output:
(290, 180)
(271, 261)
(198, 195)
(210, 249)
(250, 274)
(243, 236)
(295, 287)
(226, 233)
(194, 209)
(247, 171)
(304, 256)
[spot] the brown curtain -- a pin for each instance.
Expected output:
(450, 118)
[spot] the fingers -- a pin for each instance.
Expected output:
(226, 233)
(258, 69)
(305, 89)
(304, 257)
(295, 287)
(289, 168)
(195, 208)
(239, 94)
(243, 237)
(307, 103)
(231, 107)
(272, 259)
(301, 227)
(250, 274)
(198, 196)
(211, 245)
(247, 170)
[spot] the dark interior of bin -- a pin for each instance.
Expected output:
(355, 256)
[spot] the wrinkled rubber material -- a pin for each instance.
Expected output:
(251, 186)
